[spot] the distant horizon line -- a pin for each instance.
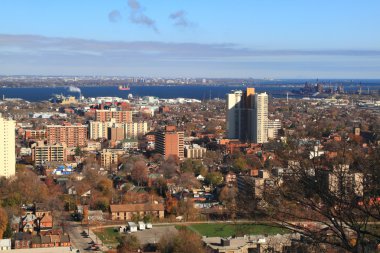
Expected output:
(221, 78)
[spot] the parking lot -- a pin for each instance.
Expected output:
(154, 234)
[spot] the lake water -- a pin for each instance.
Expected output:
(196, 92)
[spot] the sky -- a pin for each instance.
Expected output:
(191, 38)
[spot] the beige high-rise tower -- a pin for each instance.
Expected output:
(247, 116)
(260, 118)
(7, 147)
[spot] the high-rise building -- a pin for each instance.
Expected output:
(71, 135)
(273, 127)
(119, 115)
(48, 153)
(260, 118)
(235, 108)
(247, 116)
(132, 130)
(7, 147)
(109, 157)
(116, 133)
(31, 134)
(195, 151)
(170, 143)
(99, 129)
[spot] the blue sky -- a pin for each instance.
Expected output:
(191, 38)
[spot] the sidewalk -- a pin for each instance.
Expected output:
(97, 240)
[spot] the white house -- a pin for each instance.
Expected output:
(141, 225)
(5, 244)
(132, 227)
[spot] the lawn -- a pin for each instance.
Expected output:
(225, 230)
(107, 235)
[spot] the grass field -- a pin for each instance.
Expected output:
(225, 230)
(107, 235)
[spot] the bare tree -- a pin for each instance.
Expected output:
(139, 172)
(329, 201)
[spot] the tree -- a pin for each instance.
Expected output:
(228, 197)
(101, 204)
(214, 178)
(105, 186)
(193, 166)
(183, 242)
(331, 202)
(139, 172)
(240, 164)
(3, 222)
(188, 181)
(78, 151)
(171, 204)
(128, 243)
(186, 208)
(169, 169)
(160, 186)
(24, 189)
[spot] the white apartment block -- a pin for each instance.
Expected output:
(260, 118)
(48, 153)
(99, 129)
(273, 127)
(134, 129)
(7, 147)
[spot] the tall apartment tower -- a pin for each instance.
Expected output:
(247, 116)
(119, 115)
(170, 143)
(260, 118)
(235, 108)
(71, 135)
(7, 147)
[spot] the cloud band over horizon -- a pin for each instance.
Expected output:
(34, 54)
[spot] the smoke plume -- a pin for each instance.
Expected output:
(74, 89)
(114, 16)
(179, 18)
(138, 17)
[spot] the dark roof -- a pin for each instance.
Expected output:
(41, 207)
(36, 239)
(65, 238)
(55, 238)
(21, 236)
(45, 239)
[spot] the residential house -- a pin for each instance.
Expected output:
(5, 244)
(127, 211)
(51, 240)
(27, 223)
(22, 240)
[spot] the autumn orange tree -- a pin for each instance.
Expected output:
(3, 221)
(25, 188)
(128, 243)
(183, 242)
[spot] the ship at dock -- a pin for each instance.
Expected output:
(124, 87)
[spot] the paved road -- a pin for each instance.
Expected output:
(78, 239)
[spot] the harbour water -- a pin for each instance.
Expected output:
(195, 91)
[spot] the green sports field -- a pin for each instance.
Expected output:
(225, 230)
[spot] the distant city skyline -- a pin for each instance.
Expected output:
(173, 38)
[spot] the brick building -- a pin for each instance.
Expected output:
(71, 135)
(170, 142)
(119, 116)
